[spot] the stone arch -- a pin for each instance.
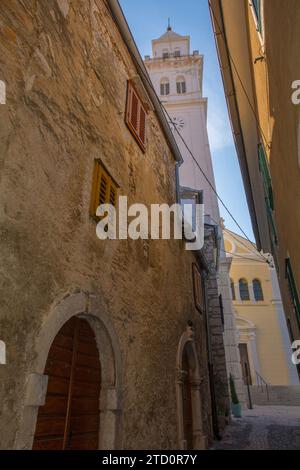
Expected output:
(88, 307)
(187, 346)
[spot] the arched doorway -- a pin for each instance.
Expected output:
(187, 400)
(70, 418)
(188, 384)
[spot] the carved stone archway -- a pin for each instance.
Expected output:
(187, 350)
(88, 307)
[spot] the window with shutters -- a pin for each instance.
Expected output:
(104, 190)
(136, 116)
(264, 169)
(269, 198)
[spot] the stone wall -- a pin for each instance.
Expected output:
(216, 328)
(66, 70)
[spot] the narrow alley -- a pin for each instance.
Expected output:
(264, 428)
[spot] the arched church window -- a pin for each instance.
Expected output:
(244, 289)
(165, 87)
(181, 85)
(258, 291)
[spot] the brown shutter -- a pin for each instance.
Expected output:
(136, 116)
(113, 196)
(143, 125)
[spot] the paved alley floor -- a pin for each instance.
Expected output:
(264, 428)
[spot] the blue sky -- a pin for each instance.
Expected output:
(148, 20)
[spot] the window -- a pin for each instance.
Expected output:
(293, 289)
(269, 199)
(198, 289)
(232, 289)
(165, 54)
(257, 289)
(264, 169)
(165, 87)
(272, 224)
(181, 85)
(136, 116)
(104, 190)
(257, 10)
(244, 289)
(177, 53)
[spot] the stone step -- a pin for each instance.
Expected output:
(278, 395)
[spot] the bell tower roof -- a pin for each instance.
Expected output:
(169, 41)
(170, 35)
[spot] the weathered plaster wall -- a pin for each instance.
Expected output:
(278, 118)
(66, 69)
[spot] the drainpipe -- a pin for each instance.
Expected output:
(177, 182)
(215, 422)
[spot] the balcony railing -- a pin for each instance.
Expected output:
(172, 56)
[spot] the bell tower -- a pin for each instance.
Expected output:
(177, 76)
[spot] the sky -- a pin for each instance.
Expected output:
(148, 19)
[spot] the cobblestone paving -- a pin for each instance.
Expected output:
(264, 428)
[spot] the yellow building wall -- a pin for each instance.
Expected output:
(278, 120)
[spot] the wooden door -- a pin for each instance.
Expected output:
(187, 403)
(70, 417)
(245, 363)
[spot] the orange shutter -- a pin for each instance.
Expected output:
(104, 190)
